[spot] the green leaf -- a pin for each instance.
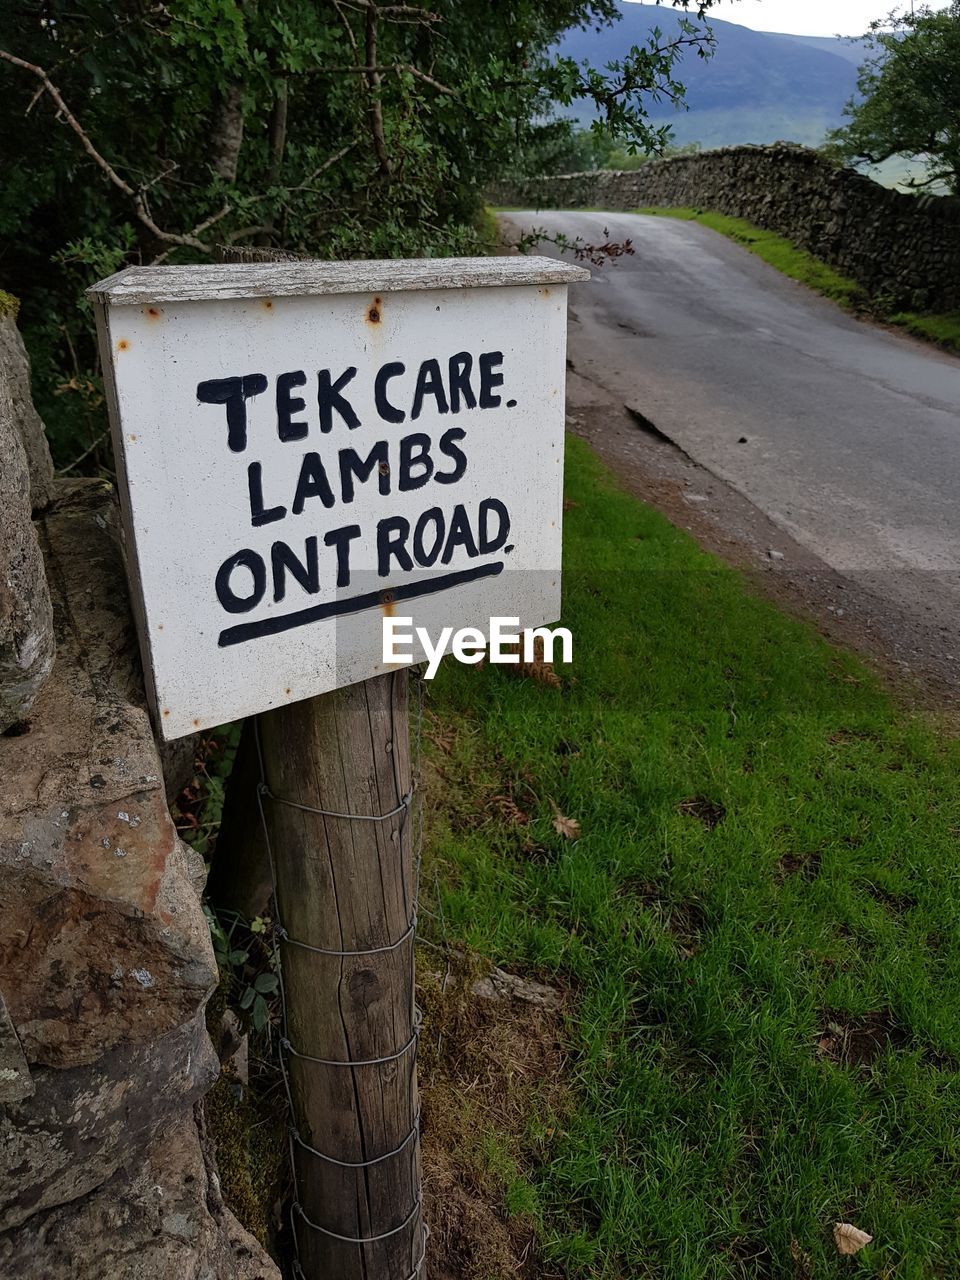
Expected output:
(261, 1013)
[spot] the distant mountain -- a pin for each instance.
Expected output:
(757, 87)
(854, 49)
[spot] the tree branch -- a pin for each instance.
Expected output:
(244, 233)
(228, 133)
(373, 80)
(276, 143)
(137, 196)
(201, 226)
(918, 183)
(422, 75)
(385, 69)
(261, 229)
(346, 25)
(399, 12)
(328, 163)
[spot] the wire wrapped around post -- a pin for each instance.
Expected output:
(357, 1204)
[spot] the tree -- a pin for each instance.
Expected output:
(182, 130)
(909, 95)
(561, 147)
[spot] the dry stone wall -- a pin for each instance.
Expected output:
(15, 383)
(26, 479)
(902, 249)
(106, 963)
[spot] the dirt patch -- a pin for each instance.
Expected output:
(684, 919)
(749, 1259)
(858, 1041)
(492, 1073)
(687, 922)
(898, 904)
(846, 737)
(497, 794)
(709, 812)
(804, 865)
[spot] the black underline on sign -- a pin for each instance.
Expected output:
(355, 604)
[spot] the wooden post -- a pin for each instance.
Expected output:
(245, 604)
(347, 885)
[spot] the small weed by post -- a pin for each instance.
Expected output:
(245, 960)
(200, 803)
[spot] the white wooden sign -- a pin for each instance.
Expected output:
(303, 447)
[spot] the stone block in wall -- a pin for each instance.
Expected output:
(105, 959)
(104, 942)
(15, 1081)
(26, 628)
(84, 1123)
(15, 381)
(159, 1219)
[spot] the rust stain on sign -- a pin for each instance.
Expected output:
(374, 311)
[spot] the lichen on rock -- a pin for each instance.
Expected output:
(26, 621)
(16, 403)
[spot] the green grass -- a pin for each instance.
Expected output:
(710, 1136)
(798, 264)
(942, 329)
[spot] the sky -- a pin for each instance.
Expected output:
(807, 17)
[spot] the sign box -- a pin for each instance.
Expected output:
(305, 446)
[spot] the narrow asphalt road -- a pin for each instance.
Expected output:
(847, 436)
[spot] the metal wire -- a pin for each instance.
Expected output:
(332, 813)
(414, 1274)
(281, 936)
(357, 1062)
(334, 1235)
(359, 1164)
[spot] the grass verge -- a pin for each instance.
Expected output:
(798, 264)
(756, 925)
(942, 329)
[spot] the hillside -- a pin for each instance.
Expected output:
(758, 86)
(854, 50)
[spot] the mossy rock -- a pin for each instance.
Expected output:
(9, 305)
(249, 1135)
